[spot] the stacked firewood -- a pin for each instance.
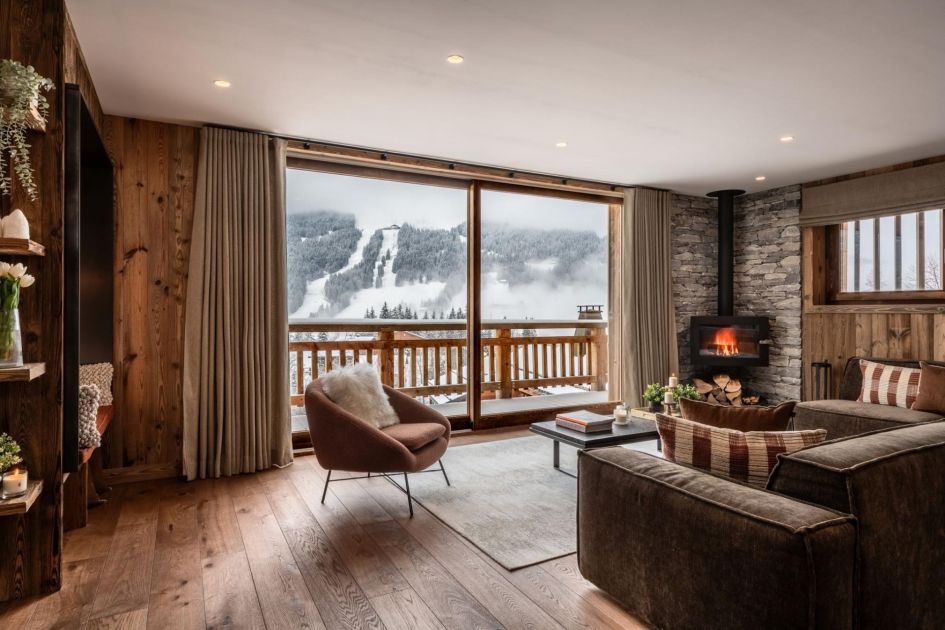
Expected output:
(723, 390)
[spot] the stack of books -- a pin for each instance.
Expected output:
(585, 421)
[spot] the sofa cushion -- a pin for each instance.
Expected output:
(844, 418)
(750, 418)
(892, 482)
(891, 385)
(852, 381)
(931, 395)
(746, 457)
(357, 389)
(415, 435)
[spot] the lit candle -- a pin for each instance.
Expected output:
(14, 482)
(620, 411)
(673, 380)
(668, 397)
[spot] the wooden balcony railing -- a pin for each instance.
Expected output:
(422, 365)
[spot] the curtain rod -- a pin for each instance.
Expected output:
(301, 139)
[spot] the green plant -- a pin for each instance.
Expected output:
(9, 452)
(653, 393)
(21, 94)
(686, 391)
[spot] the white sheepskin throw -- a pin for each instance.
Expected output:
(99, 374)
(357, 389)
(89, 437)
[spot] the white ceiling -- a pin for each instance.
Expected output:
(685, 94)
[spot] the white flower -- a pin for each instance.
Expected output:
(4, 269)
(17, 271)
(27, 281)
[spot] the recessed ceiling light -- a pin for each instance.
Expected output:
(760, 178)
(561, 144)
(222, 83)
(787, 139)
(455, 59)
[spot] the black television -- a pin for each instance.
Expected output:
(88, 243)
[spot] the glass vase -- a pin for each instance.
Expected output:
(11, 343)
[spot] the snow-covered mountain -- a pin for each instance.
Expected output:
(340, 268)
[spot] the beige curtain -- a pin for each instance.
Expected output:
(648, 352)
(236, 407)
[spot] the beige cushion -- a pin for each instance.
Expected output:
(415, 435)
(357, 389)
(100, 375)
(746, 457)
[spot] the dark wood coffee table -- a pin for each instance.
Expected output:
(637, 430)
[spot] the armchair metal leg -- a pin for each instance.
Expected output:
(409, 500)
(325, 491)
(444, 473)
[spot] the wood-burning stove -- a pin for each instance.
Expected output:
(727, 340)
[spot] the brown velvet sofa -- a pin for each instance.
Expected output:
(848, 534)
(846, 416)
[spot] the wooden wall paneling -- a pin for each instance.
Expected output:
(864, 335)
(921, 325)
(32, 32)
(938, 337)
(880, 327)
(155, 179)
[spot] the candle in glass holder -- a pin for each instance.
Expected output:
(668, 397)
(673, 380)
(14, 482)
(620, 414)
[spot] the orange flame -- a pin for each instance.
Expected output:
(725, 343)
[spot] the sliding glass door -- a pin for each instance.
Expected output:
(377, 273)
(544, 299)
(473, 297)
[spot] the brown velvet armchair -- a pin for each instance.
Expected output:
(345, 442)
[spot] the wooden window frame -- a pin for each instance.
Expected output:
(474, 186)
(835, 267)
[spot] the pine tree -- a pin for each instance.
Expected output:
(385, 311)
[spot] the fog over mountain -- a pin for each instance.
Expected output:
(356, 244)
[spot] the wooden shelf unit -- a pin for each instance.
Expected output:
(21, 247)
(28, 372)
(21, 505)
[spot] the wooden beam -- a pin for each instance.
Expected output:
(473, 303)
(898, 249)
(920, 251)
(411, 163)
(876, 250)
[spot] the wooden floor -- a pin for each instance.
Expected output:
(260, 551)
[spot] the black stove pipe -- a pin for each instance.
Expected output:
(726, 202)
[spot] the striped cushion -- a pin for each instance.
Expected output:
(747, 457)
(889, 384)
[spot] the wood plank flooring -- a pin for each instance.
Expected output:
(261, 551)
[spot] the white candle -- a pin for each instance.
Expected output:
(620, 411)
(14, 482)
(668, 397)
(673, 381)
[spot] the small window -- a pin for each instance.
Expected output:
(894, 257)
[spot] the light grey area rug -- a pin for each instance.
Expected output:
(507, 499)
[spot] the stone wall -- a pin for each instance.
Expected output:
(768, 282)
(767, 279)
(695, 266)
